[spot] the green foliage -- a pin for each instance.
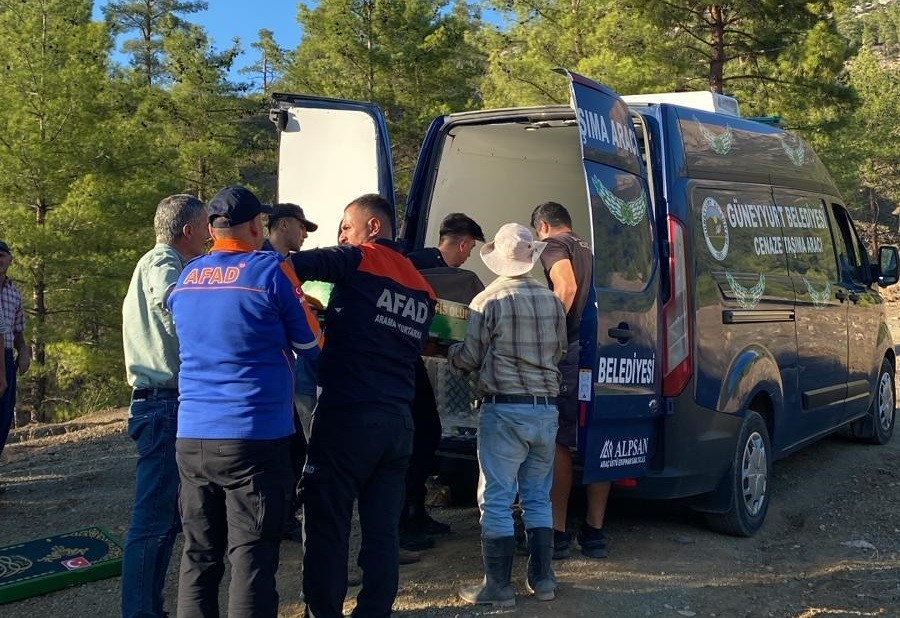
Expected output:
(202, 109)
(88, 149)
(150, 20)
(271, 63)
(414, 58)
(601, 39)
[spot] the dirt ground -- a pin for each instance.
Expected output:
(830, 546)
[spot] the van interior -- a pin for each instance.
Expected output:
(497, 171)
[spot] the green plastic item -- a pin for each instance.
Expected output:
(55, 562)
(449, 323)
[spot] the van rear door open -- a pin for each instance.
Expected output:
(619, 383)
(331, 151)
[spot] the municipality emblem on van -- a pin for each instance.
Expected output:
(715, 228)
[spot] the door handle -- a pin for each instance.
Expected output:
(840, 295)
(622, 334)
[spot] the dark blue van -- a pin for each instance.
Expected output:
(735, 315)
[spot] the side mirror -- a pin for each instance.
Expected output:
(888, 266)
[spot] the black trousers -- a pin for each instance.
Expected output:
(426, 437)
(297, 450)
(358, 454)
(235, 496)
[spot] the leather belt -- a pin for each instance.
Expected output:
(153, 393)
(537, 400)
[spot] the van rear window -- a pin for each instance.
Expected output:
(622, 226)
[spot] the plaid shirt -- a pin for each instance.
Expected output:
(516, 336)
(11, 310)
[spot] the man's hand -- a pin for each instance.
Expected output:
(23, 362)
(314, 303)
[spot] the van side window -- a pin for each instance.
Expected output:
(621, 219)
(814, 258)
(850, 253)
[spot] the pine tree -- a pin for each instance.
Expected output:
(271, 63)
(414, 58)
(55, 100)
(150, 19)
(601, 39)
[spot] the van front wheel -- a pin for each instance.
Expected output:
(877, 426)
(748, 481)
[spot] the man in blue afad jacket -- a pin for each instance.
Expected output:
(239, 323)
(376, 324)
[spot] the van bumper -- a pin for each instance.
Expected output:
(696, 449)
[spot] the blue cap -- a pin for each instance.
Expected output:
(5, 248)
(234, 205)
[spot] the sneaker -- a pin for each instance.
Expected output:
(592, 541)
(562, 545)
(415, 541)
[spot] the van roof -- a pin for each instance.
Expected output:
(699, 99)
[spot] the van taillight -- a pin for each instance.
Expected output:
(677, 363)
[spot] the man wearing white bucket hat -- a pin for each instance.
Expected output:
(516, 337)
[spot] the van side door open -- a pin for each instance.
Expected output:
(619, 382)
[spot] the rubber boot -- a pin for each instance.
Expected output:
(496, 588)
(541, 580)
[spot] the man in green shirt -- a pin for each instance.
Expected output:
(151, 363)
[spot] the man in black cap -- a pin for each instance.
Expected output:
(238, 318)
(288, 227)
(17, 353)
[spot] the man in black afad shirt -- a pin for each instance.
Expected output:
(567, 262)
(440, 266)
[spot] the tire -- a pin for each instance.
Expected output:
(877, 426)
(747, 481)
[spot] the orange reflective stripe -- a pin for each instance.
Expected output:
(231, 244)
(384, 262)
(288, 269)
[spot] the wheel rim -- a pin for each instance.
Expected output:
(885, 402)
(754, 473)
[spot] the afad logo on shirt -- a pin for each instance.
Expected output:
(212, 275)
(403, 306)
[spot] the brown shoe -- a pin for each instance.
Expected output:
(409, 557)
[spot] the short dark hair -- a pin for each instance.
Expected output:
(553, 213)
(457, 225)
(376, 206)
(173, 213)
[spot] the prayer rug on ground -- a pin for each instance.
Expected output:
(55, 562)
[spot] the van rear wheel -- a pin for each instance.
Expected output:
(747, 481)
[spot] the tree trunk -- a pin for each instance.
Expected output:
(717, 60)
(39, 343)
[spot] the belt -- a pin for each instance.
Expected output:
(536, 400)
(153, 393)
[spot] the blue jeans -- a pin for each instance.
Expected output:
(8, 399)
(516, 446)
(152, 424)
